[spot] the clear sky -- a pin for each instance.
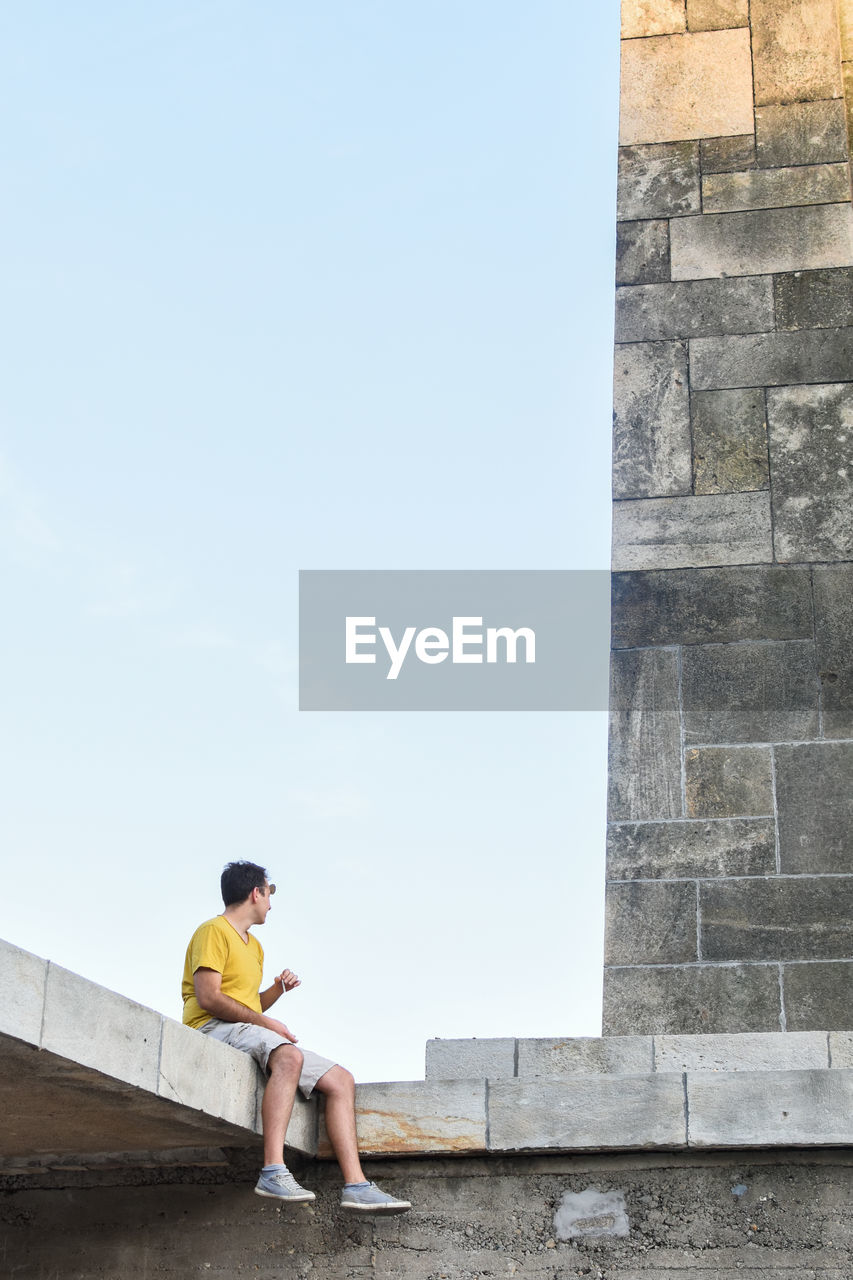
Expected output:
(300, 286)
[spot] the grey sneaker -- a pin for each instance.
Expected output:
(369, 1199)
(280, 1184)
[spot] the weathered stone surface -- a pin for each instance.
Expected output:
(811, 453)
(758, 1051)
(795, 50)
(417, 1116)
(845, 14)
(658, 181)
(818, 996)
(750, 692)
(725, 782)
(760, 241)
(801, 133)
(780, 918)
(686, 86)
(771, 359)
(729, 441)
(470, 1059)
(651, 17)
(798, 1108)
(586, 1113)
(727, 155)
(833, 597)
(691, 999)
(680, 606)
(644, 777)
(22, 986)
(212, 1077)
(642, 252)
(650, 922)
(841, 1049)
(98, 1028)
(814, 299)
(651, 420)
(694, 308)
(774, 188)
(591, 1214)
(608, 1055)
(717, 15)
(814, 789)
(680, 850)
(713, 529)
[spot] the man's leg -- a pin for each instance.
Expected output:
(358, 1195)
(338, 1087)
(285, 1064)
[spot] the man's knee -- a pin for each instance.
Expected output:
(287, 1059)
(337, 1080)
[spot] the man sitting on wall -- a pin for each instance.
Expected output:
(222, 998)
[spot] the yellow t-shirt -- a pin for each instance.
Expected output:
(216, 944)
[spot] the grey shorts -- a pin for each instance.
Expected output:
(260, 1042)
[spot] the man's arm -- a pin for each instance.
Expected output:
(285, 981)
(209, 994)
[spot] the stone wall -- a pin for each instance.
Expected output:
(730, 835)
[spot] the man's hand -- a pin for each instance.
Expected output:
(287, 979)
(280, 1029)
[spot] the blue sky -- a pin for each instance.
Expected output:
(298, 287)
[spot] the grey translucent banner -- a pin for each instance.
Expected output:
(466, 640)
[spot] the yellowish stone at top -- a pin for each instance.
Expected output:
(652, 17)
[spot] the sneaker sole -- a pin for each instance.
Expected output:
(305, 1198)
(354, 1207)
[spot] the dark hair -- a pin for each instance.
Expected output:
(239, 879)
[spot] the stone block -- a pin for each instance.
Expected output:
(814, 794)
(650, 922)
(770, 1109)
(587, 1113)
(729, 441)
(658, 181)
(795, 50)
(642, 252)
(591, 1214)
(749, 693)
(818, 996)
(208, 1076)
(717, 15)
(692, 999)
(687, 606)
(686, 86)
(758, 1051)
(760, 241)
(708, 529)
(651, 420)
(644, 776)
(418, 1117)
(833, 598)
(845, 14)
(771, 359)
(801, 133)
(99, 1028)
(775, 188)
(470, 1059)
(694, 308)
(810, 430)
(610, 1055)
(681, 850)
(727, 155)
(728, 782)
(22, 986)
(814, 299)
(840, 1049)
(780, 918)
(651, 17)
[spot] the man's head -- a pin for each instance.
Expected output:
(240, 880)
